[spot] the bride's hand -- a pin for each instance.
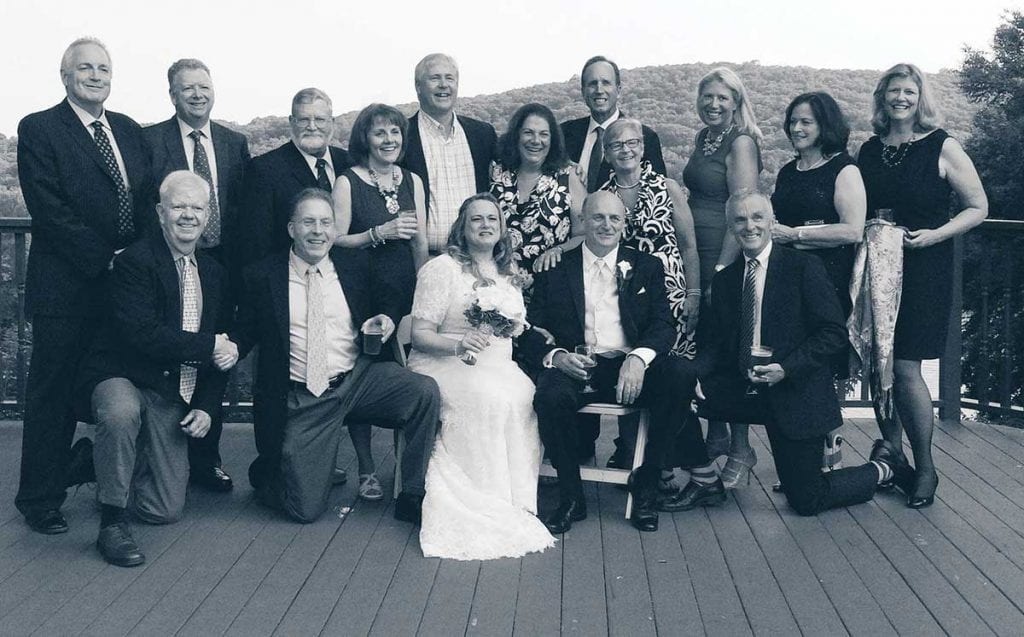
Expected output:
(473, 341)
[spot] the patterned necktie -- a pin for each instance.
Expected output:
(125, 224)
(189, 323)
(596, 156)
(201, 166)
(322, 182)
(316, 334)
(748, 313)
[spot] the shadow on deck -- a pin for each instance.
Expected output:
(750, 566)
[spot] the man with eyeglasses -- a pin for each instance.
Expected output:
(190, 140)
(273, 180)
(600, 85)
(157, 371)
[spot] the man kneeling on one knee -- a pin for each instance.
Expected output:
(780, 298)
(157, 369)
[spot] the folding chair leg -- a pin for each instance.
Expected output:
(638, 455)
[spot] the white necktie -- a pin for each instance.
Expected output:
(316, 334)
(189, 323)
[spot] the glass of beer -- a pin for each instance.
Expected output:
(759, 355)
(885, 214)
(587, 351)
(373, 336)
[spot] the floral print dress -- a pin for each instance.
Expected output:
(541, 222)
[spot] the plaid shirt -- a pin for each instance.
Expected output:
(452, 178)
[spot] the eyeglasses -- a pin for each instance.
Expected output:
(626, 143)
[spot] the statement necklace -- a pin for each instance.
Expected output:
(711, 146)
(892, 156)
(390, 195)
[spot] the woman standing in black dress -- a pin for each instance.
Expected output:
(819, 198)
(910, 167)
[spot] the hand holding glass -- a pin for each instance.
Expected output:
(759, 355)
(373, 336)
(587, 352)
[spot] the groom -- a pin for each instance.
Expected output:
(612, 297)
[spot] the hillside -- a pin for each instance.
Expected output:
(660, 96)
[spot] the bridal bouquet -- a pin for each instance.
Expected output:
(495, 311)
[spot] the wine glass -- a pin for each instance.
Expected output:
(759, 355)
(587, 351)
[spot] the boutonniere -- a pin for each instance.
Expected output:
(623, 273)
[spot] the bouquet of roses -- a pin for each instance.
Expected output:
(495, 311)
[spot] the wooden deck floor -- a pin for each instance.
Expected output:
(751, 566)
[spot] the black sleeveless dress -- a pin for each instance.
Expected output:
(807, 198)
(919, 198)
(391, 264)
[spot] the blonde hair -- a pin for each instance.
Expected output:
(926, 118)
(743, 118)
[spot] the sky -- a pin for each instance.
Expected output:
(261, 52)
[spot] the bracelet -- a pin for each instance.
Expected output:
(373, 238)
(693, 292)
(799, 235)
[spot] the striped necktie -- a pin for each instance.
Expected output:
(748, 314)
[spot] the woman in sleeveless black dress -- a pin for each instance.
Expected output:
(819, 198)
(911, 166)
(380, 207)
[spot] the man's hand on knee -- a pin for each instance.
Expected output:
(196, 423)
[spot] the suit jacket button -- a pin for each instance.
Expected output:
(166, 373)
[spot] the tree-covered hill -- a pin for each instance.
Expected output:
(663, 97)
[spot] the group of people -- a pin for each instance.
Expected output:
(555, 267)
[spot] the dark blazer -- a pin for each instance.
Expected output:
(72, 199)
(232, 156)
(801, 321)
(558, 305)
(270, 184)
(264, 320)
(143, 340)
(483, 142)
(575, 133)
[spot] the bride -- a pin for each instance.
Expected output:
(481, 486)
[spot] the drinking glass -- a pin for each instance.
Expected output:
(759, 355)
(885, 214)
(587, 351)
(373, 336)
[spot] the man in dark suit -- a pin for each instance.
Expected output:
(86, 178)
(306, 308)
(191, 141)
(452, 155)
(272, 180)
(600, 85)
(612, 297)
(781, 298)
(155, 372)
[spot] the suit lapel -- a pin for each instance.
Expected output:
(174, 145)
(222, 153)
(211, 294)
(167, 272)
(299, 167)
(129, 151)
(574, 274)
(82, 137)
(625, 290)
(277, 280)
(352, 288)
(773, 282)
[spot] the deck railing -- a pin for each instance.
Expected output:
(980, 368)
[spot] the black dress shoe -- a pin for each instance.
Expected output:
(923, 493)
(80, 469)
(118, 547)
(567, 512)
(213, 478)
(645, 515)
(409, 508)
(902, 472)
(338, 476)
(695, 495)
(48, 522)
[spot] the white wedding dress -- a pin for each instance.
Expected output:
(481, 484)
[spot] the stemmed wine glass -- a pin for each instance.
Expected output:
(587, 351)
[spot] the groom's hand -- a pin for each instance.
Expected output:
(631, 380)
(572, 365)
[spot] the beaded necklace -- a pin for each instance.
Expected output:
(390, 195)
(892, 156)
(711, 146)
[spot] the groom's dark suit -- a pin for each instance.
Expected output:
(559, 306)
(803, 324)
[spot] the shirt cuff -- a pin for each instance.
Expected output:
(548, 360)
(646, 354)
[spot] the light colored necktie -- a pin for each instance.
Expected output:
(189, 323)
(316, 334)
(599, 289)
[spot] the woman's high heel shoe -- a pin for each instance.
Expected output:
(737, 468)
(923, 494)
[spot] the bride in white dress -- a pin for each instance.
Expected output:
(481, 485)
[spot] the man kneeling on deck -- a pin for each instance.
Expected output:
(156, 372)
(779, 298)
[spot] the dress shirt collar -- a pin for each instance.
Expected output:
(325, 265)
(437, 127)
(311, 160)
(605, 124)
(177, 254)
(186, 129)
(589, 258)
(87, 118)
(762, 257)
